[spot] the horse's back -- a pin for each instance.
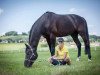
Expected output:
(65, 19)
(63, 24)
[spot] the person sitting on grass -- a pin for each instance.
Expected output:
(61, 56)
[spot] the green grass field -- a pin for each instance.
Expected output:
(12, 58)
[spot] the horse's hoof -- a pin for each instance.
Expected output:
(77, 59)
(86, 53)
(89, 60)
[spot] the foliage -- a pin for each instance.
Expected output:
(14, 37)
(10, 33)
(24, 33)
(0, 40)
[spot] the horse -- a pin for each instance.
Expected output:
(51, 25)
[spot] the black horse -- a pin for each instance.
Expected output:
(51, 25)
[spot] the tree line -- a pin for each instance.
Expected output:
(14, 33)
(14, 37)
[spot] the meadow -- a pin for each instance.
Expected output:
(12, 59)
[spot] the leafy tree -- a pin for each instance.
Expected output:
(0, 40)
(93, 37)
(23, 33)
(13, 33)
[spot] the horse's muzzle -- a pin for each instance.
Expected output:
(27, 64)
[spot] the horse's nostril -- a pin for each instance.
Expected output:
(26, 64)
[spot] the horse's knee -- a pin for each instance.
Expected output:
(79, 49)
(89, 56)
(87, 48)
(79, 45)
(52, 52)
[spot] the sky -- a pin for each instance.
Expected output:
(20, 15)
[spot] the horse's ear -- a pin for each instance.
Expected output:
(26, 45)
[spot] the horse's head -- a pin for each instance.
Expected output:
(30, 56)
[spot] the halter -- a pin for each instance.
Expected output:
(31, 56)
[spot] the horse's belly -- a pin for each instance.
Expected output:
(63, 34)
(65, 31)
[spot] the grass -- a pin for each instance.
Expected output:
(12, 47)
(11, 63)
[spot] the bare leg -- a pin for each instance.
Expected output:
(68, 61)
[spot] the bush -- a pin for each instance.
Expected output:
(0, 40)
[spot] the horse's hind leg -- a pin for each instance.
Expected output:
(76, 40)
(85, 38)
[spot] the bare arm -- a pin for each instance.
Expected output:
(65, 55)
(55, 56)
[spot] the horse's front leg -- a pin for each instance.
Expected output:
(52, 43)
(52, 49)
(51, 39)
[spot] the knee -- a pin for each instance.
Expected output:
(68, 61)
(54, 61)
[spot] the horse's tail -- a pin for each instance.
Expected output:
(86, 40)
(85, 35)
(86, 29)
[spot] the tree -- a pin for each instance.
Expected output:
(13, 33)
(0, 40)
(23, 33)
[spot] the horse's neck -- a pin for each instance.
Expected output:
(34, 40)
(35, 33)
